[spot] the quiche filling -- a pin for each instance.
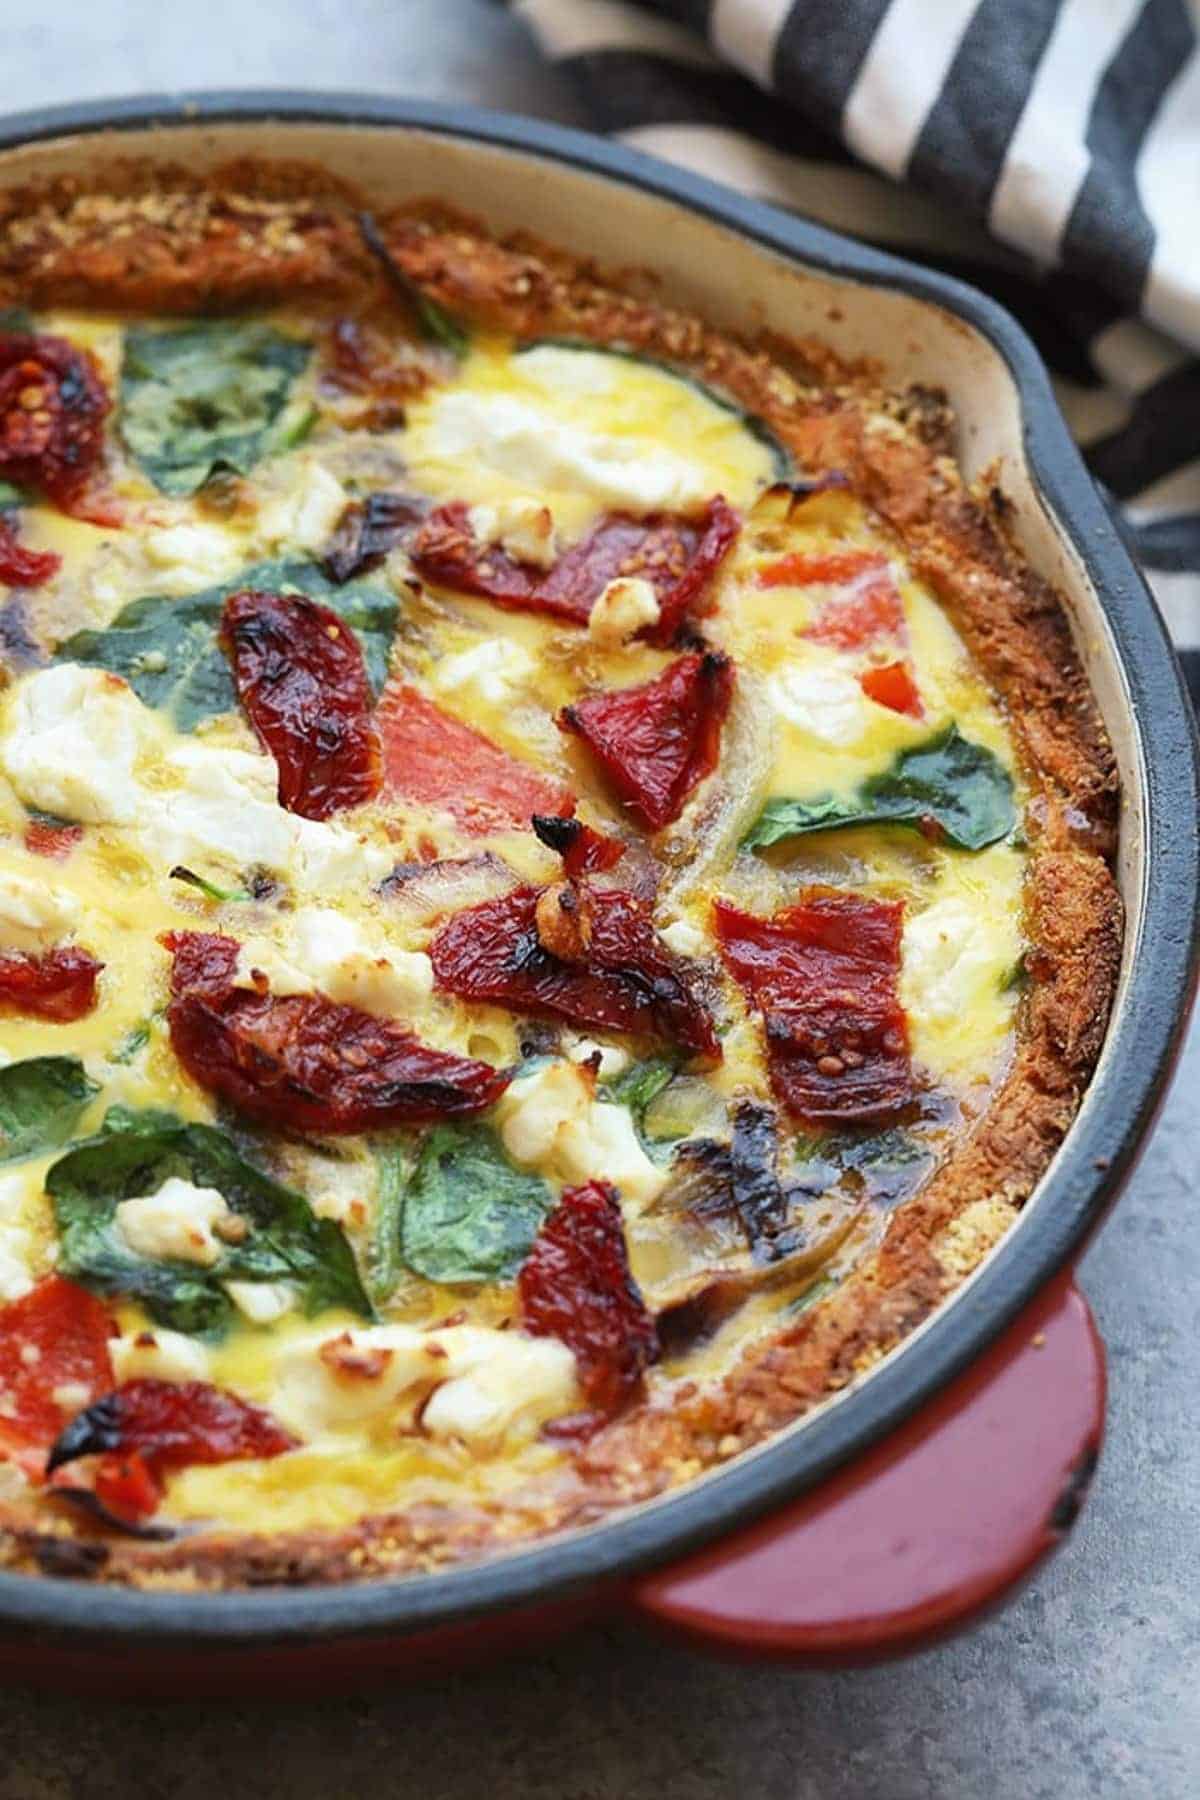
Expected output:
(511, 882)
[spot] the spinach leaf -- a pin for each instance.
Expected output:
(638, 1085)
(468, 1214)
(11, 496)
(40, 1100)
(133, 1043)
(205, 396)
(395, 1160)
(134, 1154)
(960, 785)
(168, 652)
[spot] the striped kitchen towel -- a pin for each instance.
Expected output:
(1050, 151)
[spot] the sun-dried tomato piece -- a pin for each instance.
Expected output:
(46, 837)
(893, 686)
(677, 556)
(368, 530)
(306, 1063)
(21, 566)
(126, 1487)
(53, 404)
(53, 1341)
(300, 677)
(433, 758)
(656, 742)
(576, 1285)
(824, 974)
(153, 1426)
(584, 850)
(626, 978)
(58, 984)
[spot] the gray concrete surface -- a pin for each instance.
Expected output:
(1087, 1688)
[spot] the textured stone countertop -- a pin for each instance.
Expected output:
(1086, 1688)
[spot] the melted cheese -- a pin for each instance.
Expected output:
(583, 432)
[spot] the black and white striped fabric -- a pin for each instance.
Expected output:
(1050, 153)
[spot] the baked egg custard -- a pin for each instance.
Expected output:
(554, 884)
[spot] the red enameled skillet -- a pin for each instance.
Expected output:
(919, 1497)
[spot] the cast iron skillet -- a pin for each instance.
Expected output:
(490, 1599)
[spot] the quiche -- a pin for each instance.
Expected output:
(555, 890)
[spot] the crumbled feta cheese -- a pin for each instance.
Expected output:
(482, 1382)
(304, 515)
(551, 1120)
(521, 441)
(534, 1109)
(325, 952)
(951, 954)
(604, 1146)
(32, 915)
(262, 1302)
(499, 1380)
(492, 671)
(225, 806)
(522, 527)
(178, 1221)
(342, 1191)
(823, 700)
(623, 608)
(328, 858)
(192, 556)
(71, 739)
(613, 1060)
(684, 939)
(158, 1355)
(260, 959)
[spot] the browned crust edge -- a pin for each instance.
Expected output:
(155, 238)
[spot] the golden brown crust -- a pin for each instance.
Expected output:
(255, 234)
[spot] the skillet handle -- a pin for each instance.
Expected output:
(925, 1531)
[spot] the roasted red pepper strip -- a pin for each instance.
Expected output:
(576, 1285)
(146, 1427)
(655, 743)
(823, 973)
(677, 556)
(300, 677)
(59, 984)
(433, 758)
(893, 686)
(43, 838)
(834, 568)
(53, 404)
(52, 1340)
(869, 608)
(20, 566)
(304, 1062)
(625, 978)
(584, 851)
